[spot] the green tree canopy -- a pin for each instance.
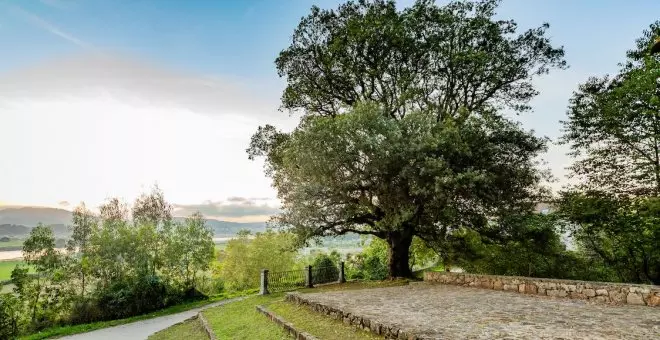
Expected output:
(366, 173)
(417, 161)
(613, 129)
(429, 57)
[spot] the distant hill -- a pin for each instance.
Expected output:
(31, 216)
(17, 222)
(224, 228)
(13, 230)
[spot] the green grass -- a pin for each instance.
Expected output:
(318, 325)
(240, 320)
(189, 330)
(83, 328)
(13, 244)
(419, 274)
(6, 267)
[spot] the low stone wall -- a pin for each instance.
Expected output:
(293, 331)
(205, 325)
(387, 331)
(602, 292)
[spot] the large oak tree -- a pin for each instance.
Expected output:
(401, 133)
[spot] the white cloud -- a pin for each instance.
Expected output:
(91, 127)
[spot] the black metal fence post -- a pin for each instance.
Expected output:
(342, 278)
(310, 282)
(264, 282)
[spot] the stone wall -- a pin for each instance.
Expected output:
(367, 324)
(602, 292)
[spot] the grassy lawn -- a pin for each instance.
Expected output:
(316, 324)
(68, 330)
(420, 273)
(240, 320)
(189, 330)
(12, 244)
(6, 267)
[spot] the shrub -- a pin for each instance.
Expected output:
(325, 268)
(244, 258)
(370, 264)
(10, 316)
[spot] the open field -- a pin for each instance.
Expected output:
(13, 244)
(6, 267)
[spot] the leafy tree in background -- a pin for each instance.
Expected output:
(428, 153)
(623, 231)
(534, 248)
(39, 252)
(245, 257)
(189, 249)
(613, 129)
(84, 225)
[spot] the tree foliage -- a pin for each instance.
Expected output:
(435, 58)
(613, 129)
(401, 134)
(365, 173)
(534, 248)
(624, 232)
(245, 257)
(134, 263)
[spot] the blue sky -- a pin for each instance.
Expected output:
(242, 38)
(46, 65)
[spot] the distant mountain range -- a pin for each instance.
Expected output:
(18, 221)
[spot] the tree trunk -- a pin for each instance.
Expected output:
(399, 253)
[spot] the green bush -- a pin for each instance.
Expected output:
(245, 257)
(325, 268)
(370, 264)
(11, 310)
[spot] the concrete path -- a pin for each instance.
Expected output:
(140, 330)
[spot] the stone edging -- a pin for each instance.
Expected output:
(388, 331)
(205, 325)
(298, 335)
(599, 292)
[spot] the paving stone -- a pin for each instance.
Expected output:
(435, 311)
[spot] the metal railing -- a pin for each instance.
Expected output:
(304, 278)
(325, 274)
(287, 280)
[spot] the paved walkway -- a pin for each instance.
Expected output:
(143, 329)
(453, 312)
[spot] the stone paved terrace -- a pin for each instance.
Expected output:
(454, 312)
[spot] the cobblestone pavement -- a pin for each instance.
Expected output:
(453, 312)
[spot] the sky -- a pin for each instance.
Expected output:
(102, 98)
